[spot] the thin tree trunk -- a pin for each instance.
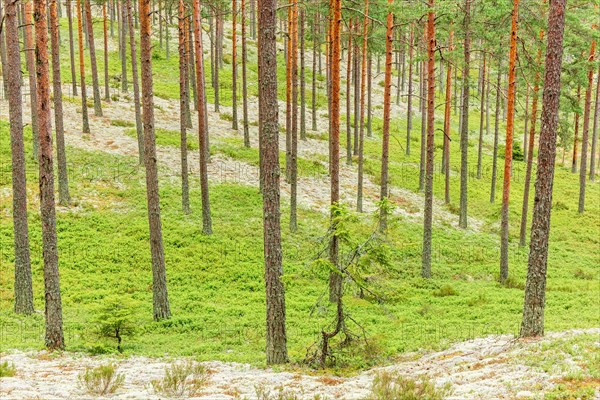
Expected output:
(244, 77)
(423, 126)
(123, 44)
(363, 93)
(512, 73)
(335, 278)
(387, 91)
(71, 48)
(586, 130)
(428, 208)
(369, 96)
(234, 114)
(84, 109)
(183, 107)
(349, 98)
(30, 62)
(288, 95)
(302, 78)
(410, 88)
(534, 103)
(595, 130)
(447, 105)
(496, 129)
(12, 74)
(139, 126)
(192, 71)
(53, 312)
(526, 123)
(575, 139)
(535, 289)
(202, 133)
(63, 180)
(217, 65)
(106, 80)
(481, 119)
(276, 340)
(159, 276)
(464, 128)
(294, 149)
(95, 84)
(314, 76)
(356, 78)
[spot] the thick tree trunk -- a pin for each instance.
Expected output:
(12, 75)
(84, 108)
(595, 130)
(447, 105)
(464, 120)
(534, 103)
(202, 133)
(139, 128)
(586, 130)
(535, 289)
(53, 312)
(428, 208)
(159, 275)
(30, 63)
(183, 107)
(63, 179)
(363, 93)
(512, 77)
(276, 346)
(387, 91)
(244, 78)
(335, 278)
(234, 114)
(92, 46)
(71, 47)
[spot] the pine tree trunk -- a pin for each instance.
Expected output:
(276, 346)
(244, 77)
(369, 97)
(302, 78)
(234, 119)
(447, 105)
(183, 107)
(12, 76)
(288, 94)
(576, 138)
(526, 119)
(423, 97)
(159, 275)
(192, 70)
(314, 76)
(95, 84)
(123, 44)
(54, 338)
(363, 93)
(409, 113)
(586, 130)
(335, 278)
(202, 133)
(30, 63)
(349, 98)
(356, 80)
(71, 47)
(534, 103)
(294, 137)
(63, 180)
(428, 208)
(139, 126)
(481, 119)
(387, 91)
(535, 289)
(496, 130)
(595, 130)
(464, 128)
(512, 77)
(105, 30)
(84, 109)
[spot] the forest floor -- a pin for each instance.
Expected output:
(494, 367)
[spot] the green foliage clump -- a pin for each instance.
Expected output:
(122, 123)
(115, 319)
(182, 379)
(392, 386)
(101, 380)
(6, 369)
(444, 291)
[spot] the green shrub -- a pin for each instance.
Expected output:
(101, 380)
(122, 123)
(445, 291)
(115, 319)
(7, 369)
(388, 386)
(513, 283)
(225, 116)
(182, 379)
